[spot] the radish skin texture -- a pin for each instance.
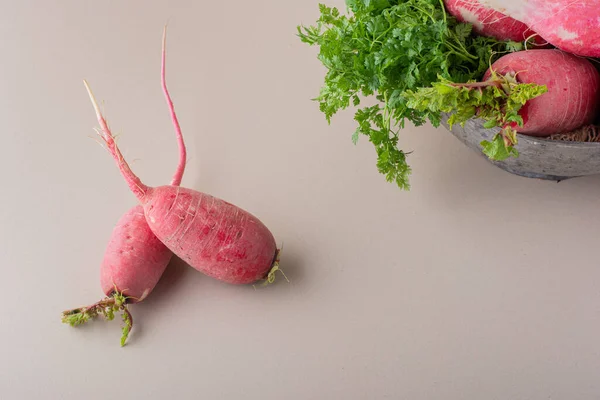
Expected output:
(213, 236)
(570, 25)
(573, 96)
(210, 234)
(135, 258)
(488, 22)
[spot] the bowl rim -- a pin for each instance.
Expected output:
(564, 143)
(533, 140)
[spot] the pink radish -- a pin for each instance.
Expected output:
(210, 234)
(573, 96)
(135, 258)
(570, 25)
(488, 22)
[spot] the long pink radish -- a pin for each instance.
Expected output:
(570, 25)
(573, 96)
(135, 258)
(489, 22)
(213, 236)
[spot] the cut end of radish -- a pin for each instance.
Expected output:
(270, 277)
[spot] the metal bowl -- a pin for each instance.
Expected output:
(538, 158)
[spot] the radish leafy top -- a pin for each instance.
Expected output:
(384, 48)
(497, 101)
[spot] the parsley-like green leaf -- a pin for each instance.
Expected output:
(497, 101)
(385, 49)
(106, 307)
(497, 149)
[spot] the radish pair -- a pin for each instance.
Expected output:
(211, 235)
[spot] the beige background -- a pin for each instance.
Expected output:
(474, 285)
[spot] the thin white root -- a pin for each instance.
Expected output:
(99, 116)
(100, 143)
(134, 183)
(271, 275)
(274, 268)
(93, 100)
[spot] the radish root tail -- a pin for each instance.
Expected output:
(107, 308)
(176, 181)
(134, 183)
(270, 278)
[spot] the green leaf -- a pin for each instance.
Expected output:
(107, 308)
(514, 46)
(398, 52)
(496, 101)
(356, 135)
(127, 324)
(492, 123)
(497, 149)
(463, 31)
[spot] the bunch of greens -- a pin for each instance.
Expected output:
(385, 48)
(497, 100)
(106, 308)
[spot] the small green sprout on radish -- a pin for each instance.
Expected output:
(106, 308)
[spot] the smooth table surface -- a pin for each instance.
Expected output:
(476, 284)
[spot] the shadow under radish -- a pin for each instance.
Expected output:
(165, 290)
(292, 266)
(166, 287)
(178, 272)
